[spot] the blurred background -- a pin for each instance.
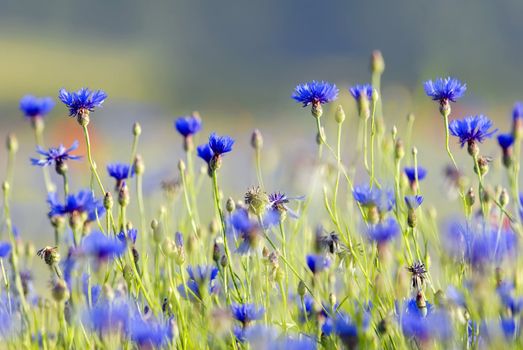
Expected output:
(237, 62)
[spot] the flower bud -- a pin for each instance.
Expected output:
(138, 164)
(377, 63)
(301, 288)
(50, 255)
(256, 140)
(411, 117)
(340, 115)
(470, 197)
(5, 186)
(257, 200)
(503, 198)
(223, 261)
(128, 274)
(157, 231)
(375, 96)
(317, 110)
(59, 291)
(123, 195)
(108, 201)
(12, 143)
(399, 150)
(181, 166)
(137, 129)
(411, 218)
(472, 148)
(230, 205)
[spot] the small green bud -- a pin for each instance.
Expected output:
(158, 234)
(399, 149)
(12, 143)
(137, 129)
(138, 164)
(503, 198)
(301, 288)
(377, 63)
(411, 218)
(5, 186)
(128, 274)
(375, 96)
(340, 115)
(123, 195)
(257, 200)
(181, 166)
(59, 291)
(470, 197)
(108, 201)
(230, 205)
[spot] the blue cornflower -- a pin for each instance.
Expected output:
(472, 129)
(178, 239)
(220, 144)
(505, 141)
(130, 235)
(96, 289)
(199, 276)
(346, 329)
(371, 196)
(246, 313)
(150, 333)
(506, 294)
(82, 101)
(315, 93)
(205, 152)
(480, 244)
(517, 111)
(35, 107)
(81, 203)
(383, 231)
(357, 91)
(424, 324)
(411, 173)
(5, 249)
(188, 125)
(120, 172)
(318, 263)
(445, 89)
(293, 343)
(413, 202)
(57, 155)
(249, 230)
(102, 248)
(106, 317)
(306, 309)
(278, 201)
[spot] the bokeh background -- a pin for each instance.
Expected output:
(237, 62)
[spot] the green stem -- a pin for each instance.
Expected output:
(372, 134)
(188, 203)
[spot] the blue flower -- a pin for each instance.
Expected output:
(480, 244)
(101, 247)
(383, 231)
(57, 155)
(472, 129)
(205, 152)
(413, 202)
(505, 141)
(120, 172)
(517, 111)
(108, 317)
(374, 197)
(178, 239)
(306, 309)
(220, 144)
(346, 330)
(96, 289)
(130, 235)
(149, 334)
(82, 101)
(361, 90)
(411, 173)
(445, 89)
(199, 276)
(425, 325)
(83, 202)
(318, 263)
(278, 201)
(188, 125)
(315, 92)
(5, 249)
(34, 107)
(246, 313)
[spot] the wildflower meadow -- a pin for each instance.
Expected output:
(359, 260)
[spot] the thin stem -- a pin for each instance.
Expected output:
(257, 156)
(94, 172)
(188, 203)
(372, 134)
(447, 139)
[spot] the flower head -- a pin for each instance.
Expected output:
(445, 89)
(188, 125)
(101, 247)
(220, 144)
(315, 92)
(357, 91)
(278, 201)
(368, 196)
(383, 231)
(472, 129)
(205, 152)
(83, 203)
(318, 263)
(107, 317)
(35, 107)
(246, 313)
(413, 202)
(82, 101)
(249, 230)
(120, 172)
(517, 111)
(200, 277)
(425, 323)
(56, 155)
(149, 333)
(418, 274)
(411, 173)
(129, 235)
(5, 249)
(505, 141)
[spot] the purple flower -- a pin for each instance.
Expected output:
(220, 144)
(101, 247)
(357, 91)
(472, 129)
(188, 125)
(445, 89)
(505, 141)
(82, 101)
(383, 231)
(318, 263)
(413, 202)
(246, 313)
(35, 107)
(82, 202)
(315, 92)
(5, 249)
(57, 155)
